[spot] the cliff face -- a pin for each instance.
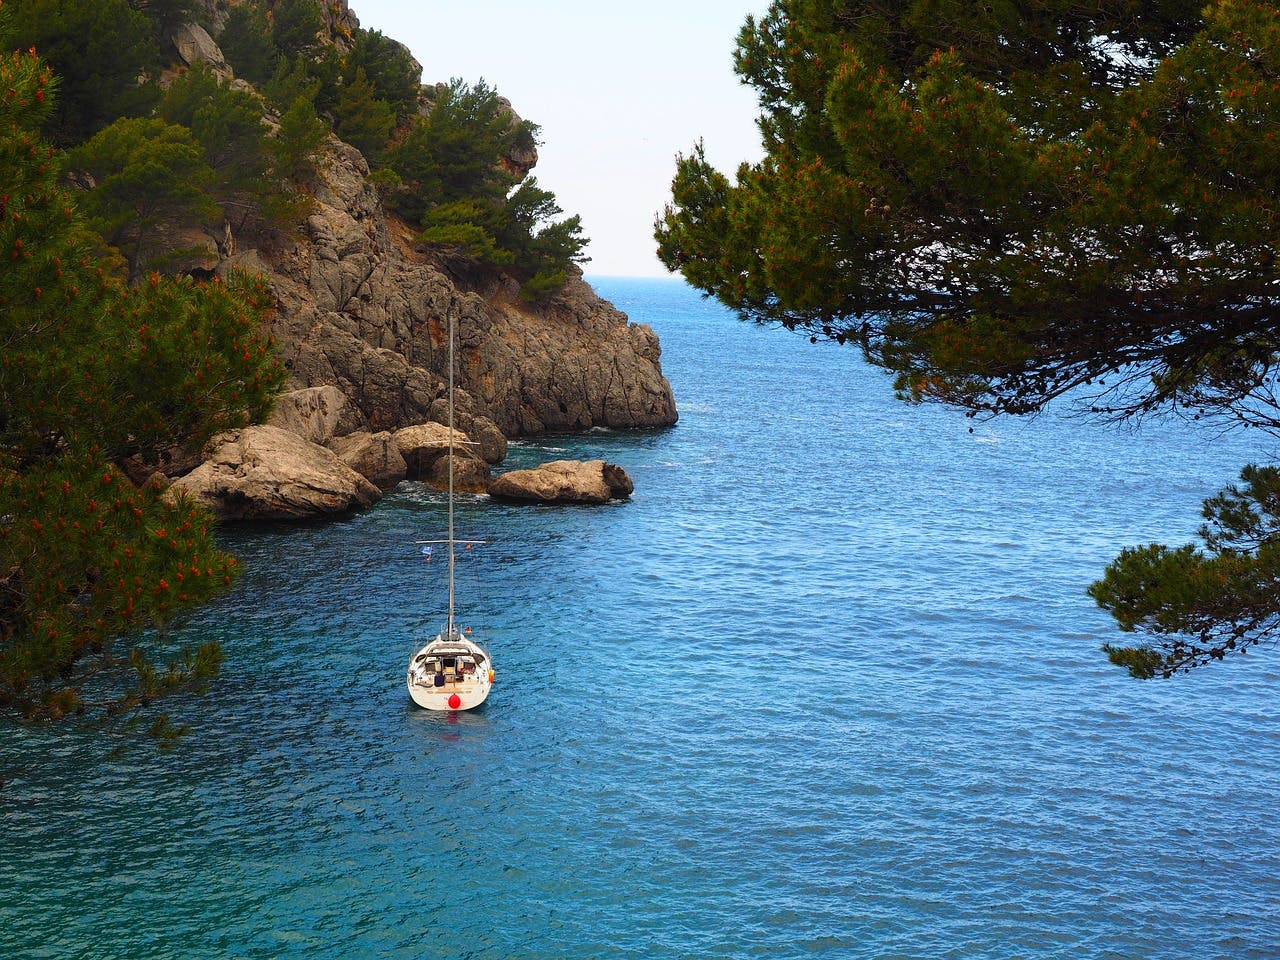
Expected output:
(363, 308)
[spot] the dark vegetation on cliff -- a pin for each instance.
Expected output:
(448, 160)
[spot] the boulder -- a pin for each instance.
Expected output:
(470, 473)
(317, 414)
(422, 445)
(491, 443)
(565, 481)
(374, 456)
(266, 473)
(194, 45)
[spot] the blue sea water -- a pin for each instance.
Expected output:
(828, 686)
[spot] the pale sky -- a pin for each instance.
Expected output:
(618, 88)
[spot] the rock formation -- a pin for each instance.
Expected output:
(362, 320)
(422, 445)
(470, 473)
(317, 414)
(565, 481)
(266, 473)
(375, 456)
(363, 310)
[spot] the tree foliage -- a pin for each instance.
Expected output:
(298, 140)
(388, 66)
(247, 44)
(149, 175)
(91, 371)
(1006, 203)
(166, 15)
(541, 245)
(455, 173)
(1002, 207)
(228, 125)
(98, 49)
(456, 151)
(1197, 605)
(362, 119)
(295, 26)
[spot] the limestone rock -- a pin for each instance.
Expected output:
(364, 308)
(186, 249)
(266, 473)
(470, 473)
(423, 444)
(317, 414)
(374, 456)
(361, 307)
(491, 444)
(565, 481)
(194, 45)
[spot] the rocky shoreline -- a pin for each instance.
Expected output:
(360, 323)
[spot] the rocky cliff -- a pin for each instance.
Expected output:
(365, 309)
(362, 308)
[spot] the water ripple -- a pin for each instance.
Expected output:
(828, 686)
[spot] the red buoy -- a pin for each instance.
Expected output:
(455, 701)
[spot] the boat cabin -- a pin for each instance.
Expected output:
(449, 667)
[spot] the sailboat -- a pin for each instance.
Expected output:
(451, 671)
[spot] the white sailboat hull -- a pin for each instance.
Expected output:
(439, 677)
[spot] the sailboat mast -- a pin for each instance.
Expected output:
(451, 631)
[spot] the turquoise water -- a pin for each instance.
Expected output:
(828, 686)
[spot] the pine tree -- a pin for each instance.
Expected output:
(455, 181)
(295, 25)
(1006, 203)
(363, 120)
(388, 66)
(149, 176)
(297, 142)
(92, 371)
(98, 48)
(246, 42)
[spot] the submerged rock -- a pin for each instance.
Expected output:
(565, 481)
(266, 473)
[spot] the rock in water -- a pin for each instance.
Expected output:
(470, 473)
(423, 444)
(491, 445)
(374, 456)
(565, 481)
(265, 473)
